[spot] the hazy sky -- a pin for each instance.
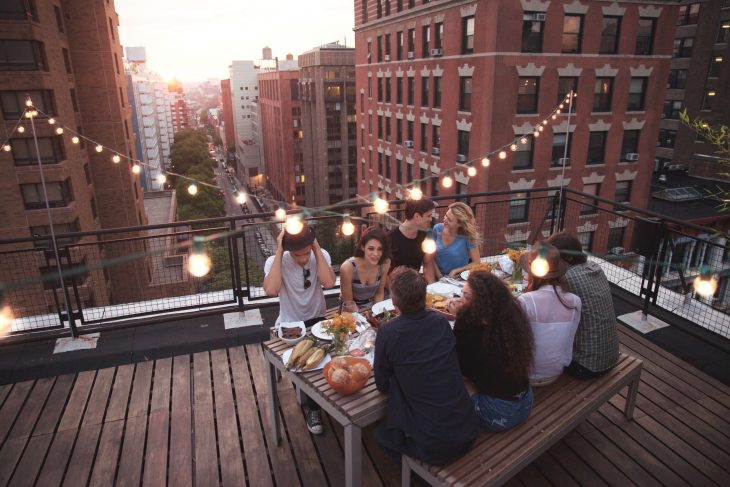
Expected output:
(197, 39)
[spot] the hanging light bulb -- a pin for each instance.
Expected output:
(294, 225)
(539, 267)
(116, 159)
(6, 320)
(74, 140)
(35, 113)
(28, 102)
(560, 106)
(536, 134)
(416, 193)
(59, 130)
(21, 129)
(513, 147)
(502, 154)
(6, 147)
(472, 171)
(136, 168)
(51, 121)
(540, 128)
(380, 205)
(429, 244)
(485, 161)
(705, 284)
(447, 182)
(198, 262)
(192, 189)
(280, 213)
(161, 178)
(523, 140)
(99, 148)
(544, 122)
(557, 112)
(347, 227)
(240, 197)
(555, 116)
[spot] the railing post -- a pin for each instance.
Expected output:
(245, 263)
(236, 277)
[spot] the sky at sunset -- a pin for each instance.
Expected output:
(194, 40)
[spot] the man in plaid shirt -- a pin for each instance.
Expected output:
(595, 347)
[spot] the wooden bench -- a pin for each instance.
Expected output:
(558, 408)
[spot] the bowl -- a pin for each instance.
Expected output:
(352, 386)
(295, 324)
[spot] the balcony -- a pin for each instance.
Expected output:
(181, 396)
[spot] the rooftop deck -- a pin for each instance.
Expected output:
(203, 418)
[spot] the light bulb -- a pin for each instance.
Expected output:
(6, 147)
(28, 102)
(536, 134)
(560, 106)
(116, 158)
(539, 267)
(428, 245)
(544, 122)
(523, 140)
(294, 225)
(51, 121)
(557, 112)
(161, 179)
(472, 171)
(554, 117)
(59, 130)
(513, 147)
(347, 227)
(21, 129)
(136, 169)
(6, 320)
(540, 128)
(485, 161)
(74, 140)
(192, 189)
(198, 262)
(380, 205)
(705, 284)
(416, 194)
(35, 113)
(502, 154)
(99, 148)
(240, 197)
(447, 181)
(280, 214)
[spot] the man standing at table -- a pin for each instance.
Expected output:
(406, 239)
(297, 273)
(429, 416)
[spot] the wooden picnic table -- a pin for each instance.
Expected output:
(352, 412)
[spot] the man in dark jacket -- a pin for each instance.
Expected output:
(430, 416)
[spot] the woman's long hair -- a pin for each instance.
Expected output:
(535, 283)
(373, 233)
(467, 223)
(506, 333)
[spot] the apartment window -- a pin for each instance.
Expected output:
(437, 91)
(637, 94)
(590, 205)
(616, 237)
(610, 32)
(399, 5)
(462, 137)
(688, 14)
(630, 143)
(623, 192)
(533, 24)
(387, 128)
(399, 45)
(111, 28)
(13, 103)
(671, 109)
(715, 67)
(723, 33)
(379, 8)
(387, 7)
(596, 148)
(518, 208)
(523, 156)
(59, 194)
(424, 91)
(411, 89)
(566, 85)
(399, 131)
(398, 171)
(380, 127)
(426, 39)
(380, 163)
(387, 89)
(364, 5)
(645, 36)
(409, 173)
(59, 18)
(18, 10)
(87, 174)
(561, 156)
(66, 60)
(572, 33)
(22, 56)
(527, 94)
(677, 79)
(387, 47)
(586, 240)
(436, 136)
(465, 93)
(370, 52)
(370, 87)
(380, 48)
(438, 32)
(58, 229)
(709, 99)
(434, 185)
(602, 95)
(399, 90)
(467, 35)
(683, 47)
(411, 42)
(667, 138)
(24, 153)
(387, 167)
(380, 89)
(424, 137)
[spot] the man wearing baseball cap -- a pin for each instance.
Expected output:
(297, 273)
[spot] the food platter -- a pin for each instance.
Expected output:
(319, 332)
(285, 358)
(444, 289)
(381, 306)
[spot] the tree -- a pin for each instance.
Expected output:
(330, 238)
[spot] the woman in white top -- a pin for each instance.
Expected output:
(553, 313)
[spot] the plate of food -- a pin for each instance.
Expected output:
(482, 266)
(307, 356)
(380, 306)
(355, 323)
(377, 319)
(443, 289)
(291, 333)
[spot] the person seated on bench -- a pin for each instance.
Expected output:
(595, 348)
(494, 345)
(429, 414)
(553, 313)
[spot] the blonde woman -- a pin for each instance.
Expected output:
(457, 244)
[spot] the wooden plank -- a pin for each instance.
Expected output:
(578, 469)
(155, 464)
(107, 455)
(530, 475)
(30, 463)
(553, 471)
(117, 409)
(54, 407)
(4, 391)
(12, 407)
(130, 461)
(9, 457)
(76, 405)
(99, 398)
(181, 431)
(370, 477)
(229, 445)
(589, 454)
(328, 449)
(388, 470)
(254, 447)
(142, 383)
(79, 468)
(54, 466)
(31, 411)
(205, 451)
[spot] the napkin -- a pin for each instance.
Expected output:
(506, 264)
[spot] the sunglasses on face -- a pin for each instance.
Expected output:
(306, 273)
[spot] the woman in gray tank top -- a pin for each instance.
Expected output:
(362, 277)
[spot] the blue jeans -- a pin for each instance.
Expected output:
(497, 414)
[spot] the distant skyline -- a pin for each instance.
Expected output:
(193, 40)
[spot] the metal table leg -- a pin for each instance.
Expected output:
(353, 456)
(274, 405)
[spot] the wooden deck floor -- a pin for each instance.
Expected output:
(202, 420)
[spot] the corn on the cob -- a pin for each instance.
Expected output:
(315, 358)
(298, 350)
(304, 357)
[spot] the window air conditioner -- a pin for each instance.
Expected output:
(437, 51)
(411, 54)
(617, 250)
(435, 151)
(540, 17)
(632, 156)
(564, 161)
(460, 158)
(387, 58)
(408, 144)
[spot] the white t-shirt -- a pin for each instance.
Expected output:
(553, 327)
(295, 302)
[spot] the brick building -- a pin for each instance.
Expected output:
(448, 81)
(229, 130)
(46, 55)
(281, 133)
(327, 89)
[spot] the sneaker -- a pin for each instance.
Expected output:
(314, 421)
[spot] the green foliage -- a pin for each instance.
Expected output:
(330, 238)
(221, 272)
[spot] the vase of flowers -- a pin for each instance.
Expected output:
(515, 255)
(340, 328)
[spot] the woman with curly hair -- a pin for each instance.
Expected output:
(494, 345)
(457, 244)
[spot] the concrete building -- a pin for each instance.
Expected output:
(699, 81)
(327, 92)
(281, 131)
(181, 117)
(47, 56)
(447, 82)
(244, 91)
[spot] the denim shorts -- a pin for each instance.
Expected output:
(497, 414)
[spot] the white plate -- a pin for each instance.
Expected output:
(443, 289)
(294, 324)
(318, 330)
(464, 275)
(381, 306)
(287, 354)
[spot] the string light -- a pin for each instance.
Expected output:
(380, 205)
(502, 155)
(35, 113)
(523, 141)
(51, 121)
(99, 148)
(485, 161)
(540, 128)
(192, 189)
(240, 197)
(136, 168)
(560, 106)
(705, 284)
(198, 262)
(447, 182)
(162, 178)
(21, 129)
(6, 147)
(513, 147)
(416, 193)
(544, 122)
(59, 130)
(347, 227)
(6, 316)
(294, 225)
(116, 159)
(536, 134)
(29, 114)
(280, 213)
(28, 102)
(74, 140)
(429, 244)
(539, 267)
(472, 171)
(555, 116)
